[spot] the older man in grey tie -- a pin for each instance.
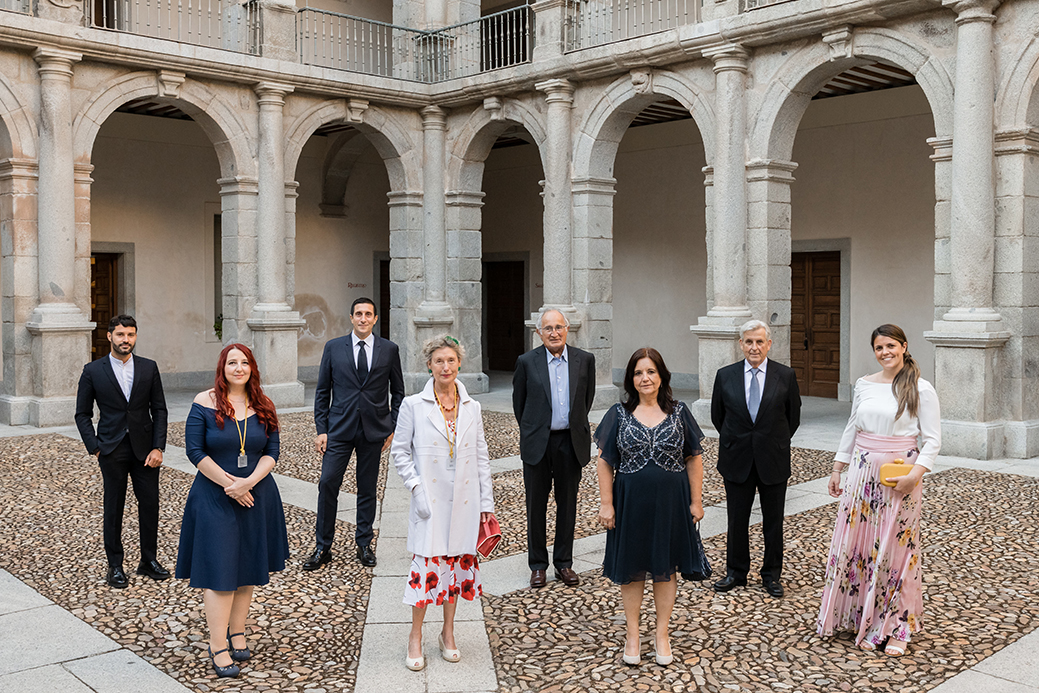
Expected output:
(756, 407)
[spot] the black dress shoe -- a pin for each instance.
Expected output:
(228, 672)
(773, 588)
(153, 570)
(318, 559)
(729, 582)
(116, 577)
(366, 556)
(237, 655)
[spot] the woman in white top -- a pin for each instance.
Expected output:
(874, 585)
(441, 454)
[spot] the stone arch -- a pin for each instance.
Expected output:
(389, 138)
(605, 123)
(343, 153)
(477, 136)
(18, 134)
(775, 124)
(222, 124)
(1017, 97)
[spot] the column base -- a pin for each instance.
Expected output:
(431, 319)
(275, 330)
(60, 344)
(1021, 439)
(45, 412)
(605, 396)
(718, 341)
(14, 411)
(976, 440)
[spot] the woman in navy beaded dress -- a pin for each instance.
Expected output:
(650, 471)
(233, 534)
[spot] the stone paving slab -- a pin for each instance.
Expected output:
(46, 635)
(1018, 662)
(971, 681)
(48, 679)
(121, 671)
(15, 595)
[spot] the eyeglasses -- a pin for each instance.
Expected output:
(550, 329)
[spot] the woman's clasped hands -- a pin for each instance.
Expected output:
(240, 490)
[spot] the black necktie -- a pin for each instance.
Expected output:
(362, 363)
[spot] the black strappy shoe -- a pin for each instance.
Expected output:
(228, 672)
(237, 655)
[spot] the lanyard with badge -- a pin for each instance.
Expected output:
(242, 432)
(450, 428)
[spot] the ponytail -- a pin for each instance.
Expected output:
(904, 386)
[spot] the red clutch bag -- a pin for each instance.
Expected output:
(489, 537)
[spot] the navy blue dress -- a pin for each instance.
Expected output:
(223, 544)
(654, 535)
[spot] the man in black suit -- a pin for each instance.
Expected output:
(130, 438)
(756, 408)
(552, 391)
(359, 373)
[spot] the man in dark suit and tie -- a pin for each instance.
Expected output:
(552, 391)
(359, 373)
(130, 438)
(756, 408)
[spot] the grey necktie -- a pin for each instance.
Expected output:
(755, 394)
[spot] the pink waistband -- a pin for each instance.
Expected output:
(878, 443)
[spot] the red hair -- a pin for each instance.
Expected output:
(261, 403)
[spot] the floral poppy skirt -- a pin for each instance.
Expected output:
(874, 586)
(442, 578)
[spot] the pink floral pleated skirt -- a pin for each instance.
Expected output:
(441, 579)
(874, 584)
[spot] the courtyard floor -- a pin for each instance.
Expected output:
(344, 627)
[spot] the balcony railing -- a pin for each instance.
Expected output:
(361, 45)
(23, 6)
(595, 22)
(233, 26)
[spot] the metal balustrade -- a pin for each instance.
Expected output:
(596, 22)
(233, 26)
(22, 6)
(361, 45)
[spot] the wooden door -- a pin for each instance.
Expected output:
(815, 322)
(103, 291)
(505, 313)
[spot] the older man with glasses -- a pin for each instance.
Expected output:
(552, 391)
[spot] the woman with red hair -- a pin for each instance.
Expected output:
(233, 534)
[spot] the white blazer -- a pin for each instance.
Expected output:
(420, 453)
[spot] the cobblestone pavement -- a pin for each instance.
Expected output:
(510, 499)
(980, 539)
(304, 627)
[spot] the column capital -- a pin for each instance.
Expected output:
(272, 93)
(968, 11)
(434, 118)
(771, 170)
(557, 90)
(56, 60)
(728, 57)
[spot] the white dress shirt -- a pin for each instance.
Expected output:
(747, 376)
(123, 373)
(873, 410)
(369, 342)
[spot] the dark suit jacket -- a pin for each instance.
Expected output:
(532, 404)
(342, 401)
(143, 418)
(764, 443)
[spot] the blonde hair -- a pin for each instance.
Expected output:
(440, 342)
(904, 385)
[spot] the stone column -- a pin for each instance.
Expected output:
(969, 338)
(238, 197)
(275, 326)
(549, 22)
(593, 278)
(434, 316)
(464, 287)
(407, 287)
(61, 331)
(19, 270)
(718, 331)
(559, 95)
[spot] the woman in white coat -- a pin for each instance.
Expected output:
(440, 452)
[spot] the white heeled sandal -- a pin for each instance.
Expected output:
(448, 655)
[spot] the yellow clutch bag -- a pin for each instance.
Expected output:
(892, 469)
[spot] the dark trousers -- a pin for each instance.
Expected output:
(559, 466)
(115, 468)
(739, 499)
(333, 466)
